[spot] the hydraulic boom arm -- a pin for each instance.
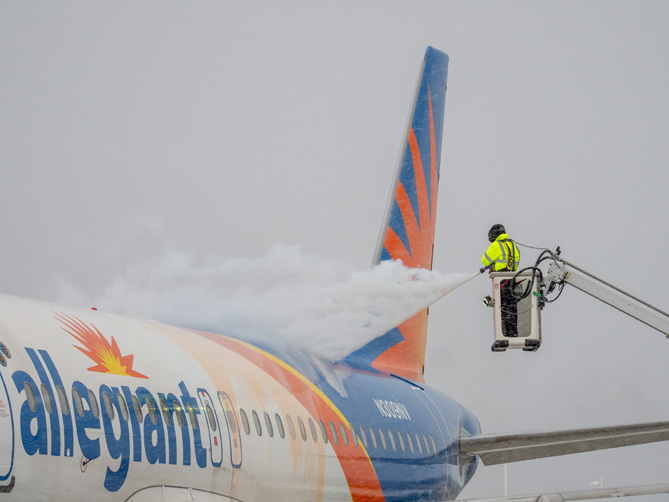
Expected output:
(558, 273)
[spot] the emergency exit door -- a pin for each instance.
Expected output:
(214, 429)
(6, 438)
(233, 429)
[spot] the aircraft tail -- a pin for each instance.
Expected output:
(408, 228)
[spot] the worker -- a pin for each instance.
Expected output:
(503, 256)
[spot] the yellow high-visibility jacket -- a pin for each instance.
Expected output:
(503, 253)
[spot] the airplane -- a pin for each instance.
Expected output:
(98, 405)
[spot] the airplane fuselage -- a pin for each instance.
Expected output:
(93, 403)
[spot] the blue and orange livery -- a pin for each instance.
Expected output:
(408, 229)
(215, 417)
(227, 419)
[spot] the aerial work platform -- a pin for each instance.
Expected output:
(517, 315)
(518, 298)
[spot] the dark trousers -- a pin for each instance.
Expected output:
(509, 309)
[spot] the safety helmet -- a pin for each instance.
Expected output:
(495, 231)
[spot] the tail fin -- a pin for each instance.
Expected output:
(407, 232)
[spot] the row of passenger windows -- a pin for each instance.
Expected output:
(415, 443)
(404, 440)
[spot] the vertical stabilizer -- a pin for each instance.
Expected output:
(407, 232)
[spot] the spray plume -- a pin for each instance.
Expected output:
(286, 297)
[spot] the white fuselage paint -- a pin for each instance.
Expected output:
(43, 453)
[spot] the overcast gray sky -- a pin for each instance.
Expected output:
(224, 128)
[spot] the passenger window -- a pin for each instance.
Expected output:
(291, 427)
(410, 443)
(279, 425)
(178, 412)
(78, 403)
(138, 409)
(392, 440)
(418, 443)
(323, 431)
(256, 422)
(401, 440)
(62, 399)
(165, 412)
(303, 431)
(211, 417)
(335, 439)
(312, 428)
(434, 445)
(373, 436)
(152, 410)
(268, 423)
(123, 406)
(109, 408)
(383, 439)
(94, 403)
(232, 421)
(46, 399)
(245, 421)
(354, 435)
(427, 446)
(363, 436)
(344, 436)
(191, 416)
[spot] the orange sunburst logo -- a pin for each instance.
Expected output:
(419, 227)
(95, 346)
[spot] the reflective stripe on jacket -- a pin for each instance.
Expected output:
(502, 252)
